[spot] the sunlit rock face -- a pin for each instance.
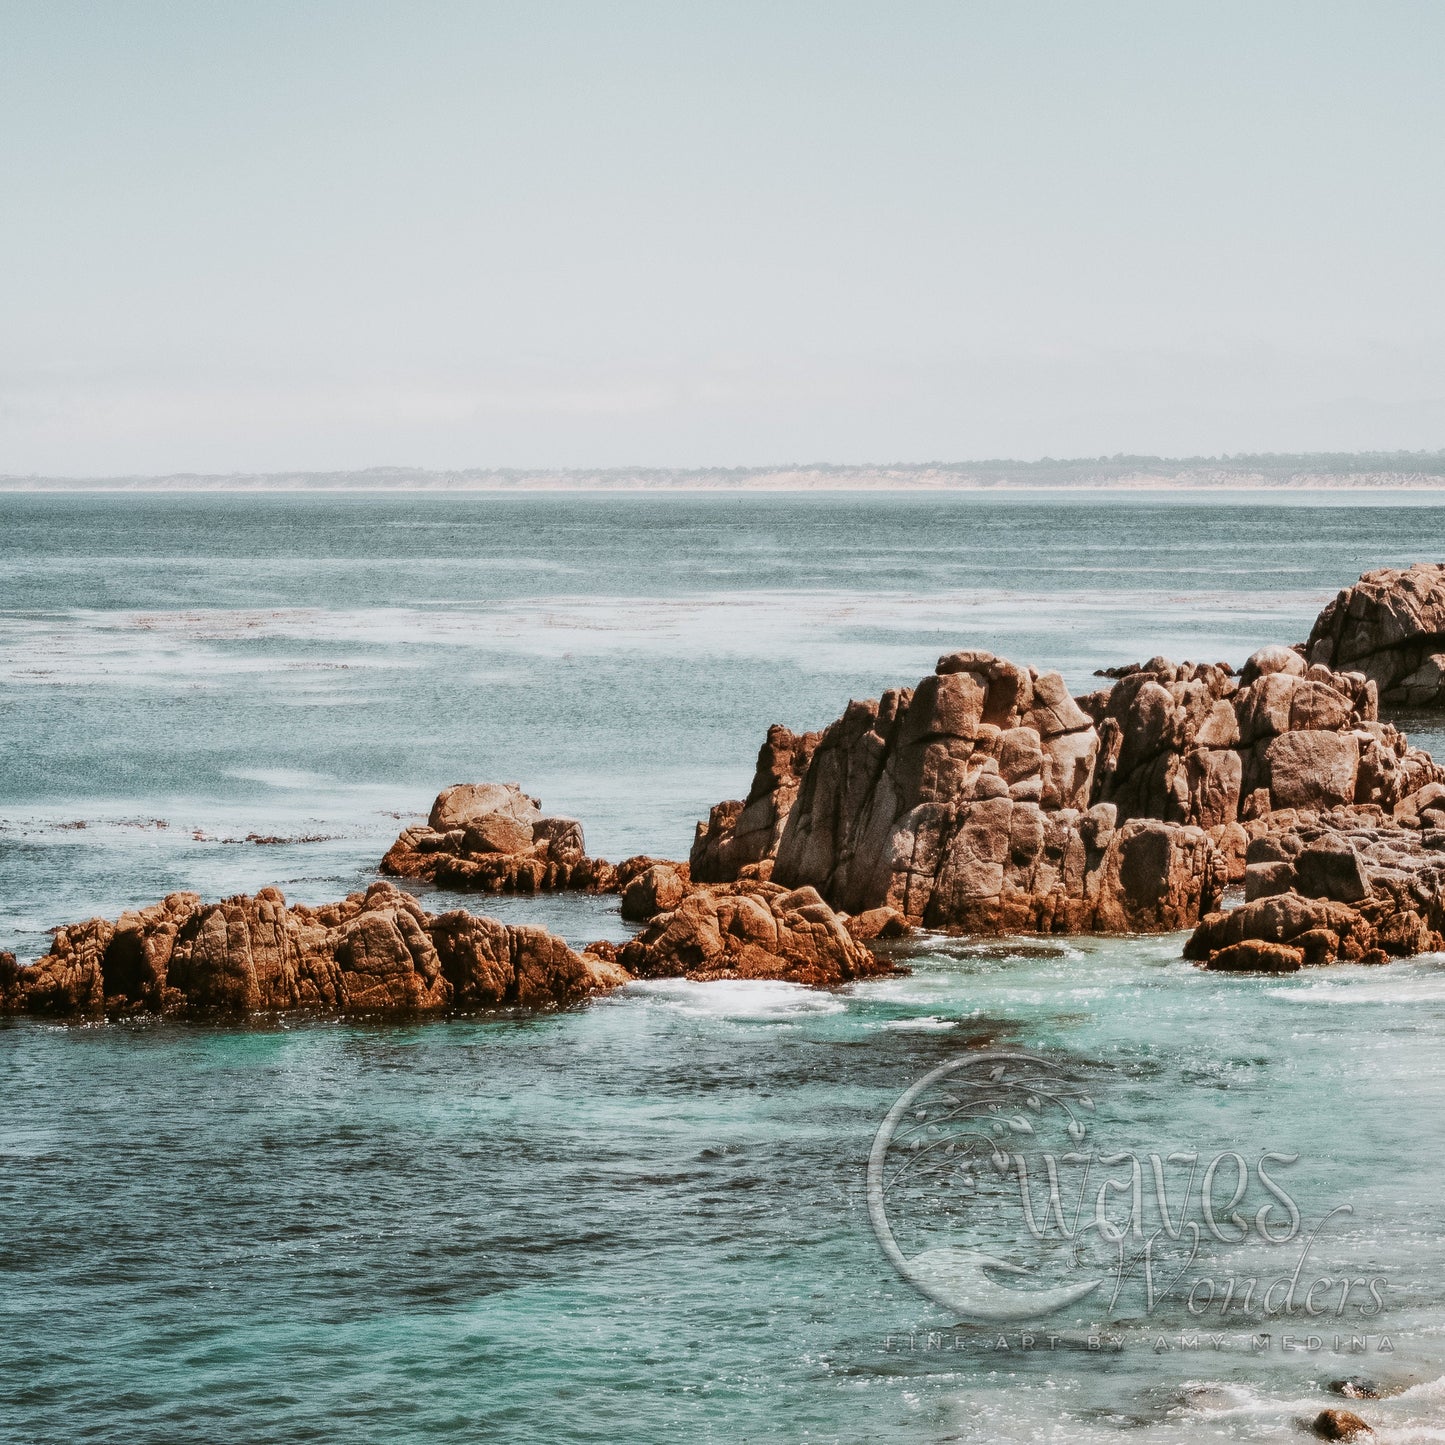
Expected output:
(1390, 626)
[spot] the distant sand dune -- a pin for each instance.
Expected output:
(1366, 470)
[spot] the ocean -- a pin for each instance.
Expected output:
(646, 1219)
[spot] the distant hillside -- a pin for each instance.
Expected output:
(1309, 469)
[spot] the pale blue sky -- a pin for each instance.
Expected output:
(246, 235)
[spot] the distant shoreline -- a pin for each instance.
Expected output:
(238, 488)
(1289, 472)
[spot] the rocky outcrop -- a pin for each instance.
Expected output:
(965, 803)
(989, 799)
(1390, 627)
(374, 952)
(743, 832)
(751, 930)
(1194, 744)
(380, 952)
(1349, 886)
(492, 837)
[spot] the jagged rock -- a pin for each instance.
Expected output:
(492, 837)
(739, 833)
(1194, 744)
(1341, 1425)
(964, 803)
(1390, 626)
(751, 930)
(373, 952)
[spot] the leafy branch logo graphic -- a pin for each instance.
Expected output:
(946, 1141)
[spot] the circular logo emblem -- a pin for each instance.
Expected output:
(952, 1161)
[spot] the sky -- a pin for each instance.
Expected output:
(238, 235)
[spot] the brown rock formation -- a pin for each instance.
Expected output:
(650, 886)
(988, 799)
(964, 803)
(380, 952)
(373, 952)
(1194, 744)
(879, 923)
(1390, 626)
(738, 833)
(1348, 886)
(492, 837)
(751, 930)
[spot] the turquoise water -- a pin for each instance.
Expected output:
(645, 1220)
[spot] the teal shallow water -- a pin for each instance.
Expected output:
(645, 1220)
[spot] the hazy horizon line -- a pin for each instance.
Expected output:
(1371, 470)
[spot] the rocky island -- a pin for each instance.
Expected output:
(984, 799)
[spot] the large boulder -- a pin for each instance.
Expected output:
(1390, 626)
(493, 837)
(1341, 1425)
(751, 930)
(377, 952)
(650, 886)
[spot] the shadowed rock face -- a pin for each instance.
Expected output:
(1390, 626)
(377, 952)
(492, 837)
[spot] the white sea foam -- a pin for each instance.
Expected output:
(1401, 983)
(763, 999)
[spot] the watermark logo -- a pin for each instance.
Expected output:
(991, 1191)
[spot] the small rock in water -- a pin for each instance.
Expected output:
(1341, 1425)
(1355, 1388)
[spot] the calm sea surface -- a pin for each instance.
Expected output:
(644, 1220)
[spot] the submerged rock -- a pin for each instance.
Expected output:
(493, 837)
(1341, 1425)
(1390, 626)
(373, 952)
(1355, 1387)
